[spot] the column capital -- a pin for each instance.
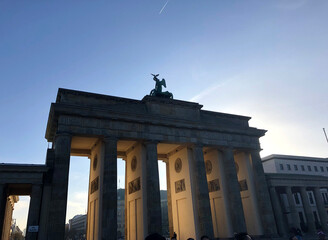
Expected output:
(149, 142)
(254, 150)
(195, 145)
(63, 134)
(108, 138)
(226, 149)
(315, 188)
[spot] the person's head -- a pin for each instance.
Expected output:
(242, 236)
(293, 238)
(174, 237)
(155, 236)
(321, 235)
(204, 237)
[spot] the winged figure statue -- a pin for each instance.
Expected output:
(157, 91)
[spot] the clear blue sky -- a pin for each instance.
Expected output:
(264, 59)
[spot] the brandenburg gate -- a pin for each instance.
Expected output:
(215, 180)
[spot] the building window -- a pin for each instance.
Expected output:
(297, 199)
(281, 166)
(310, 194)
(303, 168)
(309, 168)
(295, 168)
(316, 168)
(321, 168)
(288, 167)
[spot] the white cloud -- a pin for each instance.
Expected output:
(210, 90)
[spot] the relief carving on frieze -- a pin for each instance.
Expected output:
(94, 185)
(243, 185)
(214, 185)
(180, 186)
(134, 185)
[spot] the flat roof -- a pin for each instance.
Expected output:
(293, 157)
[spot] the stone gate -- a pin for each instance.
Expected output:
(215, 180)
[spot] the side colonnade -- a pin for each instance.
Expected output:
(298, 206)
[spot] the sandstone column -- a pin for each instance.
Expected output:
(203, 206)
(46, 196)
(57, 212)
(154, 215)
(321, 209)
(233, 191)
(3, 202)
(280, 220)
(291, 202)
(263, 197)
(126, 201)
(34, 211)
(109, 191)
(307, 210)
(169, 199)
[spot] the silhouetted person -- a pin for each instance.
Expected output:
(204, 237)
(174, 237)
(321, 235)
(242, 236)
(155, 236)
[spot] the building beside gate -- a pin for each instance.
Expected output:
(78, 224)
(298, 190)
(215, 180)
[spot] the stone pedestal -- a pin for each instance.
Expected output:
(57, 213)
(154, 216)
(109, 191)
(233, 192)
(263, 197)
(280, 220)
(34, 211)
(307, 210)
(321, 209)
(203, 207)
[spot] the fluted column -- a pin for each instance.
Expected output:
(203, 206)
(262, 194)
(292, 208)
(109, 190)
(57, 213)
(280, 220)
(169, 198)
(126, 201)
(34, 211)
(3, 202)
(307, 210)
(154, 215)
(321, 209)
(233, 192)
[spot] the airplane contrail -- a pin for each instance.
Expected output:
(164, 6)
